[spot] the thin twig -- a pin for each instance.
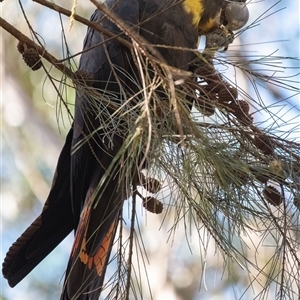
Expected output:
(31, 44)
(84, 21)
(131, 239)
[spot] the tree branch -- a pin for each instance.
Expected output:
(31, 44)
(84, 21)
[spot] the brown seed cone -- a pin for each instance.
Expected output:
(205, 106)
(227, 94)
(209, 74)
(214, 87)
(150, 184)
(246, 120)
(153, 205)
(297, 202)
(272, 195)
(84, 77)
(32, 59)
(264, 143)
(240, 109)
(20, 47)
(244, 106)
(209, 97)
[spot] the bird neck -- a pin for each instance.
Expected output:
(194, 8)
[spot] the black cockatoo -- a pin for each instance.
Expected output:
(88, 189)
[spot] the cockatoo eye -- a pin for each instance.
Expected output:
(236, 15)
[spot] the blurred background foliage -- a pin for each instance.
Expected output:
(34, 124)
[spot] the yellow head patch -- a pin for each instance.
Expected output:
(195, 8)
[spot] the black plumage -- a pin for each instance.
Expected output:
(91, 152)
